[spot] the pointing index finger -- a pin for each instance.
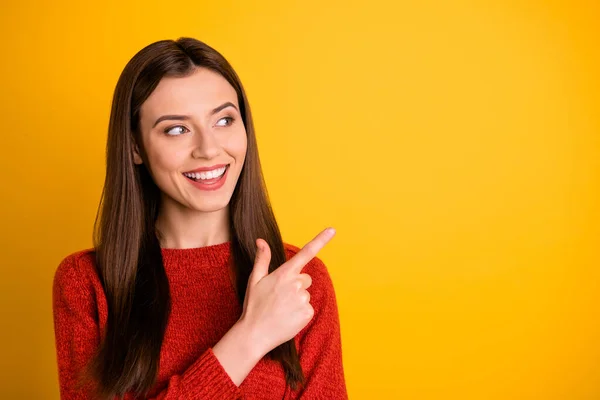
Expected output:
(309, 251)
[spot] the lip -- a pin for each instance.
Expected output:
(209, 186)
(204, 169)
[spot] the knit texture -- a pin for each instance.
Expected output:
(204, 308)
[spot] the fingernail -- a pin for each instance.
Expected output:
(331, 231)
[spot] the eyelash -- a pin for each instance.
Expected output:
(231, 119)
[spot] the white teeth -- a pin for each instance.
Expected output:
(215, 173)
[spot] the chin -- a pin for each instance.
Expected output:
(208, 207)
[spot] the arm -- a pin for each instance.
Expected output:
(319, 343)
(77, 337)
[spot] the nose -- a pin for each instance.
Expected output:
(206, 144)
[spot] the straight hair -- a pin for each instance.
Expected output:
(128, 256)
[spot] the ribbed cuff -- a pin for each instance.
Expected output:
(207, 379)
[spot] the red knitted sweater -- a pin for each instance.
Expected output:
(204, 308)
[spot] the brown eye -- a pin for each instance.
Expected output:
(228, 119)
(172, 129)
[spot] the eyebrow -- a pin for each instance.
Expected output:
(187, 117)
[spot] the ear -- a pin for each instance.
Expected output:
(137, 159)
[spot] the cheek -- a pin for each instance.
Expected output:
(166, 159)
(237, 145)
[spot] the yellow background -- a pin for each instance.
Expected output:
(454, 146)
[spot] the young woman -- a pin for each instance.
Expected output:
(189, 291)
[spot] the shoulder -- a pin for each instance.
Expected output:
(322, 285)
(315, 265)
(322, 298)
(74, 273)
(75, 298)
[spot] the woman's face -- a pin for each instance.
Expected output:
(193, 123)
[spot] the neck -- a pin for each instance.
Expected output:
(181, 228)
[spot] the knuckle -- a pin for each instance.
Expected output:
(311, 248)
(306, 297)
(278, 275)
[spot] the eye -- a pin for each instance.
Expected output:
(172, 129)
(229, 119)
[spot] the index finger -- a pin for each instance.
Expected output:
(308, 252)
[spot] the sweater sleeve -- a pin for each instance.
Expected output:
(77, 337)
(320, 346)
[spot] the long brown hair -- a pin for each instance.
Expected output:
(127, 251)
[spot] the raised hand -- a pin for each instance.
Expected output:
(276, 306)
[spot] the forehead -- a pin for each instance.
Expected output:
(199, 92)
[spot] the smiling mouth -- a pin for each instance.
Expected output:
(207, 177)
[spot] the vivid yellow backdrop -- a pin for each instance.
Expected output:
(454, 146)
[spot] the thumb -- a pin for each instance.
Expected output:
(261, 262)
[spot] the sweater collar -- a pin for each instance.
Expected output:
(208, 255)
